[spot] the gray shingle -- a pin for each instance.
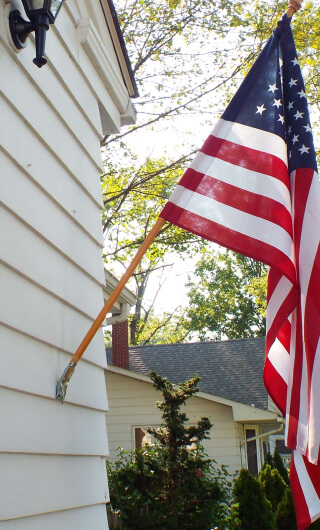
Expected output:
(231, 369)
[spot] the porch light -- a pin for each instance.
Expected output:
(41, 13)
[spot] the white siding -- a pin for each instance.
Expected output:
(52, 456)
(132, 403)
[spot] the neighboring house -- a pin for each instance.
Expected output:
(231, 394)
(52, 456)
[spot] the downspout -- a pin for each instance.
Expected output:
(121, 317)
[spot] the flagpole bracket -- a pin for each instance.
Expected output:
(62, 384)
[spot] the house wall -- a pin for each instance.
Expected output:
(52, 456)
(132, 404)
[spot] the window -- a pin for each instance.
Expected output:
(141, 437)
(253, 449)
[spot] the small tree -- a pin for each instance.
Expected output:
(285, 515)
(273, 484)
(251, 509)
(171, 484)
(279, 465)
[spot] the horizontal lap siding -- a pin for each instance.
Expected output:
(51, 274)
(23, 354)
(90, 517)
(32, 481)
(135, 406)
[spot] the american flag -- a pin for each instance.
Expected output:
(253, 187)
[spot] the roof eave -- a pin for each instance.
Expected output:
(241, 413)
(119, 45)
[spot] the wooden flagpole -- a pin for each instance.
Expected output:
(65, 378)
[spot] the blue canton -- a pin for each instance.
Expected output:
(272, 98)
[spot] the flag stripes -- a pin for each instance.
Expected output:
(305, 476)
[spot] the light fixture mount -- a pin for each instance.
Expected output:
(41, 14)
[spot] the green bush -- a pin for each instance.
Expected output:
(273, 485)
(251, 510)
(285, 515)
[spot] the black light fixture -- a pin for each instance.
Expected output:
(41, 13)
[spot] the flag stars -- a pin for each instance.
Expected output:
(307, 128)
(261, 109)
(273, 88)
(281, 119)
(295, 138)
(290, 105)
(277, 103)
(298, 115)
(295, 62)
(302, 94)
(292, 82)
(290, 129)
(304, 149)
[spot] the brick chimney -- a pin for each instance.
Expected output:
(120, 345)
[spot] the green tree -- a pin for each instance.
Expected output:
(285, 517)
(279, 465)
(133, 200)
(273, 484)
(172, 481)
(251, 509)
(227, 297)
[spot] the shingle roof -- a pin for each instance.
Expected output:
(231, 369)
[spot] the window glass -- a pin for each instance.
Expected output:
(252, 452)
(141, 437)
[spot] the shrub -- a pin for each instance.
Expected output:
(273, 484)
(251, 510)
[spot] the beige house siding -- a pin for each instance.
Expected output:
(132, 404)
(52, 457)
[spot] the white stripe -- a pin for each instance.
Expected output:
(280, 359)
(243, 178)
(309, 493)
(251, 137)
(234, 219)
(314, 424)
(279, 295)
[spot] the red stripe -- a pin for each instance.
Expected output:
(229, 238)
(284, 335)
(241, 199)
(285, 309)
(274, 277)
(247, 158)
(301, 508)
(275, 385)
